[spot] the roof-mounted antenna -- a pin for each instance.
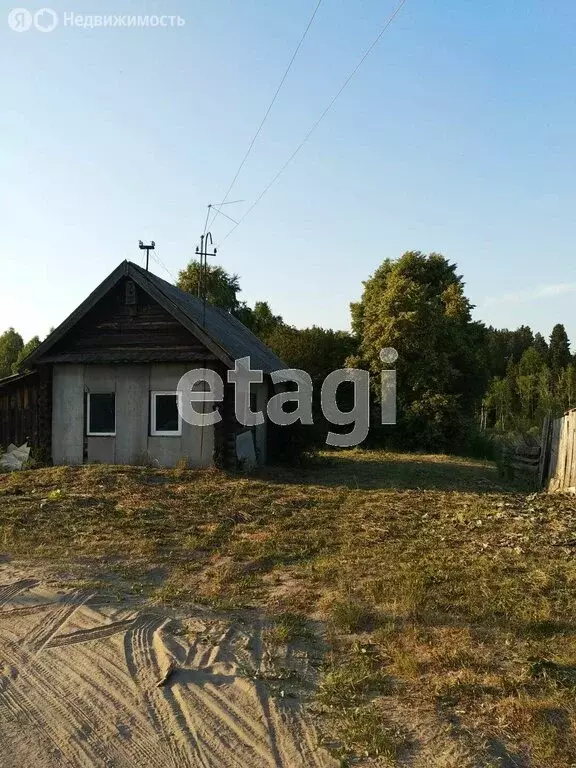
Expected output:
(203, 253)
(147, 248)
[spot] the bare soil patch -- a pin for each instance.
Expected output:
(443, 601)
(86, 680)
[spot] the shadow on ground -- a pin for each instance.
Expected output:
(395, 471)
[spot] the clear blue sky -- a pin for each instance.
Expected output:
(457, 135)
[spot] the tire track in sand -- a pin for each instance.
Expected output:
(94, 633)
(27, 610)
(111, 692)
(20, 704)
(11, 590)
(41, 635)
(145, 671)
(74, 717)
(89, 696)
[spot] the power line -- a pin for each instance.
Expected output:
(225, 215)
(217, 206)
(164, 267)
(365, 55)
(278, 89)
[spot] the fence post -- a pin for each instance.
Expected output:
(544, 451)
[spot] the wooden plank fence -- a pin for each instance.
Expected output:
(560, 454)
(551, 465)
(522, 460)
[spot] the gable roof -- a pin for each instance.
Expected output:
(221, 332)
(14, 377)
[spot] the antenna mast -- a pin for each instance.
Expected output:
(147, 248)
(202, 252)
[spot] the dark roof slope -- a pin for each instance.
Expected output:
(225, 334)
(222, 327)
(14, 377)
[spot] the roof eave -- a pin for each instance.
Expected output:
(97, 294)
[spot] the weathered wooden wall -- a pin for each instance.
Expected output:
(19, 411)
(128, 326)
(561, 451)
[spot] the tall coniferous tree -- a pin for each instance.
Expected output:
(559, 349)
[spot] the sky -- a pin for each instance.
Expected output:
(455, 136)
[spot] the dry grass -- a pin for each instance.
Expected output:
(442, 592)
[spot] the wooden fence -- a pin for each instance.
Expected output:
(559, 453)
(521, 461)
(549, 465)
(19, 407)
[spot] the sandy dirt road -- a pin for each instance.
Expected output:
(79, 686)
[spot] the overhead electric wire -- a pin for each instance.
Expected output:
(278, 89)
(365, 55)
(160, 263)
(225, 215)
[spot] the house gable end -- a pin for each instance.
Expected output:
(126, 325)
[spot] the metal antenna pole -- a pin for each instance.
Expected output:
(147, 248)
(203, 253)
(200, 254)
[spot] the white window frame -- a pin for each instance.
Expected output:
(99, 434)
(163, 433)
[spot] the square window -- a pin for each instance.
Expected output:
(101, 407)
(165, 419)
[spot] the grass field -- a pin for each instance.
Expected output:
(448, 600)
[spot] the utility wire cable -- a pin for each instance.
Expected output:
(164, 267)
(278, 89)
(365, 55)
(225, 215)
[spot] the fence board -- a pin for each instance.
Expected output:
(544, 453)
(569, 449)
(572, 460)
(561, 449)
(554, 441)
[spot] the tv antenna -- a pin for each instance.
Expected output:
(147, 248)
(202, 252)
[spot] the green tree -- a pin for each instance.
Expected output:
(498, 350)
(221, 288)
(11, 344)
(567, 387)
(222, 291)
(318, 351)
(559, 350)
(500, 399)
(260, 320)
(541, 346)
(417, 305)
(521, 339)
(531, 378)
(26, 350)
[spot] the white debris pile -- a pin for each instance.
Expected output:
(15, 458)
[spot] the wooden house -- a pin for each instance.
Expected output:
(102, 387)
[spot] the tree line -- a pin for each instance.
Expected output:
(456, 378)
(13, 351)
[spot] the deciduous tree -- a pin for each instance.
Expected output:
(11, 344)
(221, 288)
(417, 305)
